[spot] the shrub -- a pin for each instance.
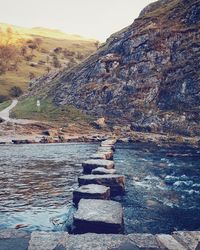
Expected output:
(3, 98)
(15, 91)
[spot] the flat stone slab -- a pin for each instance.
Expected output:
(91, 191)
(103, 155)
(169, 242)
(18, 239)
(12, 239)
(109, 142)
(91, 164)
(114, 181)
(189, 239)
(92, 241)
(103, 171)
(108, 147)
(145, 241)
(48, 240)
(98, 216)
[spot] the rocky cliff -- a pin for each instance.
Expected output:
(147, 75)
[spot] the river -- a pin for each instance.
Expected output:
(162, 192)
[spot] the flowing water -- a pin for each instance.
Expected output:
(162, 192)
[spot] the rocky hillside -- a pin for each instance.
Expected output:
(146, 76)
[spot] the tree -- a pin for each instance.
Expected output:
(8, 57)
(56, 62)
(58, 50)
(23, 51)
(31, 75)
(15, 91)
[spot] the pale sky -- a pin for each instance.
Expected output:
(91, 18)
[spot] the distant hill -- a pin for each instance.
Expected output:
(36, 51)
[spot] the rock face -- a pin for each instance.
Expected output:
(91, 191)
(99, 216)
(114, 181)
(147, 74)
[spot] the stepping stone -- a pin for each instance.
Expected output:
(145, 241)
(91, 164)
(189, 239)
(169, 242)
(103, 171)
(98, 216)
(91, 191)
(114, 181)
(103, 155)
(104, 150)
(110, 142)
(108, 147)
(48, 240)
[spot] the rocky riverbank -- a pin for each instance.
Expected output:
(49, 133)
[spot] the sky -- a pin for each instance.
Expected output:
(90, 18)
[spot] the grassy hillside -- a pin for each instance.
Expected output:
(27, 109)
(5, 104)
(54, 50)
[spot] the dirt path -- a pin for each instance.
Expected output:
(5, 115)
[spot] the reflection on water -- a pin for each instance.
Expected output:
(162, 192)
(36, 183)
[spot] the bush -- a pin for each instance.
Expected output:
(15, 91)
(3, 98)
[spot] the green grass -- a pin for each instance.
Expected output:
(5, 104)
(27, 109)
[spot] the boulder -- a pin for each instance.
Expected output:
(98, 216)
(103, 171)
(91, 164)
(91, 191)
(114, 181)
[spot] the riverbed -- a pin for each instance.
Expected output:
(162, 192)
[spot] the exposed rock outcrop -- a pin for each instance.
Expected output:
(147, 75)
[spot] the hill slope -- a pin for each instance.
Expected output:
(146, 76)
(38, 51)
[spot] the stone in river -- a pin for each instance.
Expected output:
(114, 181)
(145, 241)
(188, 238)
(91, 191)
(103, 155)
(91, 164)
(110, 142)
(169, 242)
(103, 171)
(98, 216)
(108, 147)
(48, 240)
(92, 241)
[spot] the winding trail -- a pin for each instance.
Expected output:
(5, 115)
